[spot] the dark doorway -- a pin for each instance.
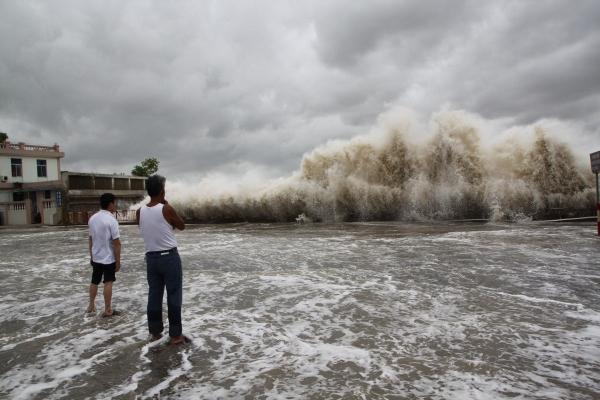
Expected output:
(36, 217)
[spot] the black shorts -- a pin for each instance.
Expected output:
(108, 270)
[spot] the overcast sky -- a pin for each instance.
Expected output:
(230, 86)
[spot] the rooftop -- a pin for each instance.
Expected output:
(30, 149)
(101, 175)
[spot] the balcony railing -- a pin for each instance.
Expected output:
(30, 147)
(82, 217)
(15, 205)
(126, 216)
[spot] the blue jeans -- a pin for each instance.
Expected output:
(164, 271)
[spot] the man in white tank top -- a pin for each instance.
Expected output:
(157, 221)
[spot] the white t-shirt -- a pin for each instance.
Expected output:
(104, 228)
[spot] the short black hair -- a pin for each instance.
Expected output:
(155, 184)
(106, 199)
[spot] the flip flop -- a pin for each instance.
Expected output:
(185, 340)
(114, 313)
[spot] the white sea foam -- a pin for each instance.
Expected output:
(577, 306)
(173, 375)
(301, 313)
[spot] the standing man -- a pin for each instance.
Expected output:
(157, 221)
(105, 251)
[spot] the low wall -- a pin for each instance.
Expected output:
(50, 213)
(17, 217)
(14, 213)
(82, 217)
(51, 216)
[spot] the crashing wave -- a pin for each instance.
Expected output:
(387, 176)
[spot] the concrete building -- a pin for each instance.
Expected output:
(33, 190)
(83, 190)
(30, 184)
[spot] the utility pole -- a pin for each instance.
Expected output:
(595, 160)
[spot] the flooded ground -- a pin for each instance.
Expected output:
(353, 311)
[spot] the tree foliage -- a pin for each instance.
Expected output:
(3, 137)
(146, 168)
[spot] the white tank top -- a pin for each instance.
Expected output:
(158, 234)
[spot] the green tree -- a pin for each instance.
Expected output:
(3, 137)
(146, 168)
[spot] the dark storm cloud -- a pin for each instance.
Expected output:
(208, 86)
(411, 30)
(539, 62)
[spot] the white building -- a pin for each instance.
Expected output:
(30, 184)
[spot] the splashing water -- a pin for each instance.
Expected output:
(398, 172)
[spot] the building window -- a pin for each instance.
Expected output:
(16, 166)
(41, 168)
(58, 199)
(47, 195)
(18, 196)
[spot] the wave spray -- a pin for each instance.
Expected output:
(401, 171)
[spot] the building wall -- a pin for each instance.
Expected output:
(22, 213)
(36, 207)
(83, 191)
(29, 169)
(5, 167)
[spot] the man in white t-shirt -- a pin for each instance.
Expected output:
(105, 252)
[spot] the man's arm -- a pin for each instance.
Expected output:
(172, 218)
(115, 235)
(90, 243)
(117, 247)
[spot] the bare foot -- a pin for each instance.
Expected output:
(154, 338)
(178, 339)
(107, 313)
(90, 309)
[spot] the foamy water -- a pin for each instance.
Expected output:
(317, 311)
